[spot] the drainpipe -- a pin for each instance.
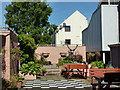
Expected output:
(104, 57)
(108, 2)
(119, 20)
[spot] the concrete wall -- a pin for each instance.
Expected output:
(55, 52)
(109, 26)
(77, 23)
(92, 35)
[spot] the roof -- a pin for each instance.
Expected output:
(114, 45)
(75, 13)
(7, 29)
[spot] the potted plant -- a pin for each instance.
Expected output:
(97, 64)
(32, 68)
(45, 55)
(63, 71)
(43, 71)
(19, 81)
(77, 57)
(61, 62)
(63, 54)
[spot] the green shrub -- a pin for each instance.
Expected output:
(13, 82)
(67, 58)
(61, 62)
(43, 62)
(63, 69)
(19, 78)
(5, 84)
(31, 68)
(43, 70)
(98, 64)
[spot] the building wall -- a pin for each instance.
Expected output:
(10, 65)
(6, 72)
(55, 52)
(109, 26)
(115, 55)
(14, 64)
(92, 35)
(102, 29)
(77, 22)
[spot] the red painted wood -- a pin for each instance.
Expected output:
(82, 69)
(101, 72)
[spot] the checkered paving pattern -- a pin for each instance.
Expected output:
(55, 84)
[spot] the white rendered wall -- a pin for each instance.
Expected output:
(109, 26)
(77, 23)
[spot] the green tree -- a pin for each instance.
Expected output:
(30, 21)
(31, 18)
(27, 46)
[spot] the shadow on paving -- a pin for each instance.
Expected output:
(112, 89)
(54, 89)
(59, 77)
(52, 77)
(60, 89)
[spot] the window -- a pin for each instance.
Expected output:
(67, 41)
(67, 28)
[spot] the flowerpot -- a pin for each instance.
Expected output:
(42, 74)
(77, 57)
(63, 54)
(19, 84)
(45, 55)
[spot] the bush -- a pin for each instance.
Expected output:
(61, 62)
(67, 58)
(5, 84)
(98, 64)
(43, 62)
(19, 78)
(43, 70)
(13, 82)
(31, 68)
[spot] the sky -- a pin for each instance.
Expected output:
(61, 10)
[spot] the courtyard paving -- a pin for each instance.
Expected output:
(54, 81)
(57, 82)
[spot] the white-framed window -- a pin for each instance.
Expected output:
(67, 29)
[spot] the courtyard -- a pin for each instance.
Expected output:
(74, 46)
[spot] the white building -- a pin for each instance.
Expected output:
(102, 30)
(70, 30)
